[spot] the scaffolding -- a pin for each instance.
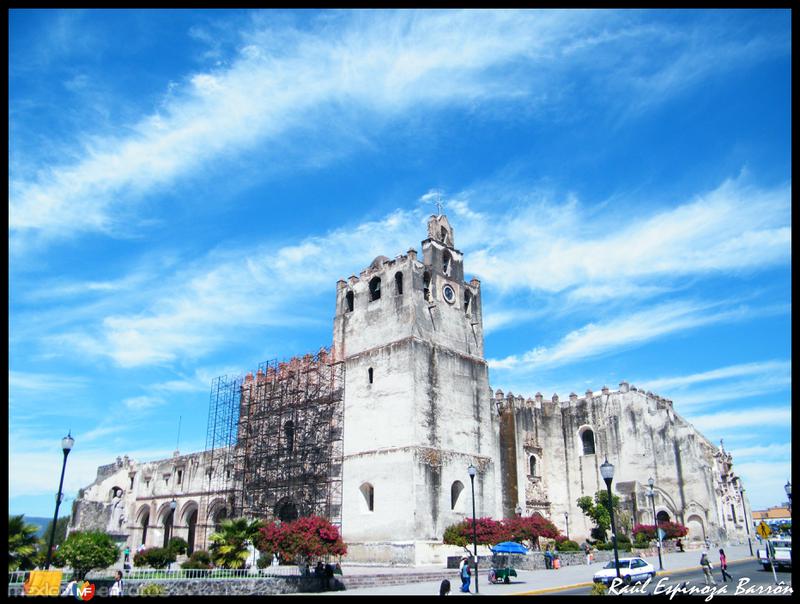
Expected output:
(275, 439)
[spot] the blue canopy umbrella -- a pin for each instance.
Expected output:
(509, 547)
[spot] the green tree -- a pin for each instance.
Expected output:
(61, 531)
(597, 510)
(86, 550)
(229, 545)
(22, 542)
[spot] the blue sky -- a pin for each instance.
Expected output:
(186, 187)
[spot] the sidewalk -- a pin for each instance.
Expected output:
(526, 581)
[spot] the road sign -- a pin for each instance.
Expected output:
(763, 530)
(661, 534)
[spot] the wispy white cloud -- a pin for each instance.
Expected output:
(201, 306)
(137, 403)
(714, 423)
(563, 248)
(344, 70)
(596, 339)
(722, 373)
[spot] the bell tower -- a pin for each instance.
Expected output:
(417, 403)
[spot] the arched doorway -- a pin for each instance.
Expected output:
(191, 522)
(286, 511)
(144, 520)
(169, 521)
(662, 517)
(697, 531)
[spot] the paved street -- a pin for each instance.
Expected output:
(748, 576)
(579, 578)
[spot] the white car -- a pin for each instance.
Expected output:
(631, 570)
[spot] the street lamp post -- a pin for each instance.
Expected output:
(652, 496)
(607, 472)
(66, 447)
(788, 488)
(566, 520)
(746, 521)
(172, 505)
(472, 471)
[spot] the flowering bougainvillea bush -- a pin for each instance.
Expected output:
(673, 530)
(522, 529)
(301, 540)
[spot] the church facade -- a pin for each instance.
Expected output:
(378, 432)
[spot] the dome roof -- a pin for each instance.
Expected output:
(379, 260)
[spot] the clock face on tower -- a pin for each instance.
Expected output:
(449, 294)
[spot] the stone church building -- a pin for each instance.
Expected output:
(377, 432)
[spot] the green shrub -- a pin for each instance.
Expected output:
(604, 546)
(568, 546)
(178, 545)
(598, 589)
(155, 557)
(641, 540)
(263, 561)
(200, 559)
(151, 589)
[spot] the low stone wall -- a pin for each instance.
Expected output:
(263, 586)
(535, 560)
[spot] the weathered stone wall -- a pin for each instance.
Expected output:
(640, 434)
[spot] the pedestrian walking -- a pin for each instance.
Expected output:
(588, 550)
(127, 552)
(465, 578)
(705, 563)
(444, 588)
(548, 558)
(116, 587)
(723, 565)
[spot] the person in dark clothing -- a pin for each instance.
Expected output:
(319, 573)
(679, 544)
(329, 576)
(444, 588)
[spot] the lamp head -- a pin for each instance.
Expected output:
(651, 482)
(607, 471)
(472, 471)
(173, 504)
(67, 442)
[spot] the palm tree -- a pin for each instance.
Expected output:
(229, 545)
(22, 542)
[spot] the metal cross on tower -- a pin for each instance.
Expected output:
(438, 202)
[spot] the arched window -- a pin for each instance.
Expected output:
(467, 302)
(375, 288)
(662, 517)
(426, 285)
(455, 491)
(398, 283)
(349, 301)
(288, 431)
(218, 518)
(532, 465)
(447, 262)
(192, 522)
(370, 374)
(588, 442)
(368, 492)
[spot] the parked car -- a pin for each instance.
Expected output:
(631, 570)
(781, 553)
